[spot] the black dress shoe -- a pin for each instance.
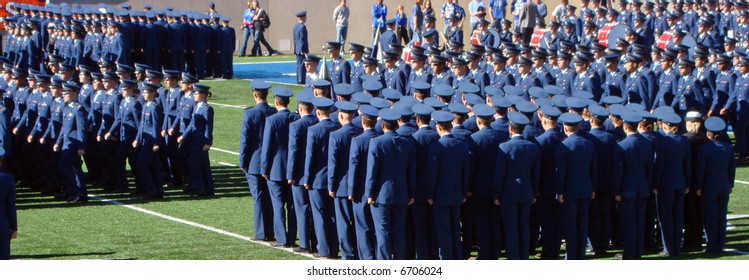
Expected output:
(301, 250)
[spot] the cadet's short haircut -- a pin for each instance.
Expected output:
(631, 126)
(306, 106)
(517, 127)
(262, 93)
(282, 100)
(370, 121)
(487, 120)
(423, 119)
(445, 125)
(390, 125)
(406, 118)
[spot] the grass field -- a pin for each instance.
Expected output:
(50, 229)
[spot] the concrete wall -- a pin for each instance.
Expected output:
(320, 22)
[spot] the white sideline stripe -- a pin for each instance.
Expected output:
(194, 224)
(735, 217)
(736, 251)
(742, 182)
(224, 151)
(259, 62)
(234, 165)
(228, 105)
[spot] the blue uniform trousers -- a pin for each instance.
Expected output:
(448, 230)
(72, 174)
(389, 222)
(651, 217)
(93, 165)
(714, 211)
(575, 221)
(149, 172)
(177, 160)
(424, 239)
(152, 58)
(200, 61)
(468, 230)
(54, 173)
(108, 174)
(671, 219)
(124, 152)
(599, 226)
(323, 217)
(365, 232)
(488, 228)
(301, 72)
(201, 176)
(741, 132)
(262, 213)
(549, 219)
(515, 217)
(304, 223)
(282, 202)
(632, 222)
(344, 222)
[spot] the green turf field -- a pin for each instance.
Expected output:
(50, 229)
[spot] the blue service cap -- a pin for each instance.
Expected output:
(500, 102)
(85, 68)
(151, 74)
(582, 94)
(442, 116)
(493, 91)
(369, 111)
(550, 111)
(66, 67)
(422, 109)
(632, 117)
(560, 101)
(361, 97)
(41, 78)
(526, 107)
(715, 124)
(537, 92)
(443, 90)
(474, 99)
(662, 110)
(404, 108)
(128, 84)
(390, 21)
(305, 96)
(635, 107)
(172, 74)
(612, 99)
(648, 116)
(151, 87)
(96, 76)
(121, 68)
(322, 103)
(513, 90)
(457, 108)
(617, 109)
(372, 85)
(109, 75)
(517, 118)
(390, 115)
(544, 101)
(225, 18)
(553, 90)
(483, 111)
(421, 86)
(343, 89)
(379, 102)
(311, 58)
(434, 103)
(468, 87)
(670, 118)
(139, 67)
(598, 111)
(345, 106)
(190, 79)
(282, 91)
(391, 94)
(257, 85)
(570, 119)
(70, 87)
(320, 83)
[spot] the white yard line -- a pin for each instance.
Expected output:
(260, 62)
(194, 224)
(228, 105)
(224, 151)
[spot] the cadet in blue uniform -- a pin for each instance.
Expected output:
(576, 174)
(600, 216)
(448, 173)
(738, 104)
(565, 75)
(486, 215)
(339, 69)
(388, 36)
(517, 178)
(228, 42)
(301, 46)
(393, 76)
(547, 207)
(109, 110)
(148, 142)
(199, 137)
(586, 79)
(338, 162)
(390, 185)
(632, 180)
(295, 170)
(176, 44)
(8, 216)
(316, 178)
(124, 131)
(419, 211)
(72, 144)
(689, 92)
(251, 136)
(671, 175)
(356, 175)
(273, 162)
(636, 85)
(716, 171)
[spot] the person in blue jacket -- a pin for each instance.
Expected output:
(356, 173)
(123, 131)
(424, 239)
(338, 162)
(147, 142)
(390, 186)
(71, 142)
(599, 226)
(516, 179)
(273, 157)
(301, 46)
(199, 137)
(316, 181)
(8, 216)
(716, 171)
(251, 137)
(576, 174)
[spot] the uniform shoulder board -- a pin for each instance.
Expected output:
(248, 108)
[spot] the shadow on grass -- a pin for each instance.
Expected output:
(50, 256)
(228, 181)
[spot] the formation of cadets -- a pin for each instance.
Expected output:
(499, 149)
(72, 94)
(201, 44)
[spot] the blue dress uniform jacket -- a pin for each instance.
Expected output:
(340, 71)
(149, 135)
(274, 148)
(636, 89)
(294, 171)
(72, 138)
(395, 79)
(716, 171)
(338, 163)
(417, 76)
(448, 178)
(486, 215)
(517, 179)
(667, 87)
(724, 85)
(576, 174)
(251, 136)
(127, 120)
(671, 175)
(390, 183)
(527, 82)
(198, 134)
(501, 79)
(588, 81)
(565, 79)
(301, 47)
(8, 215)
(600, 215)
(386, 38)
(689, 96)
(613, 85)
(356, 175)
(632, 180)
(707, 78)
(357, 71)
